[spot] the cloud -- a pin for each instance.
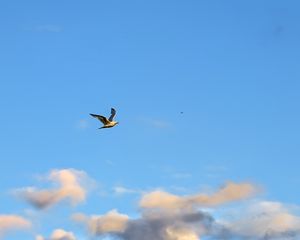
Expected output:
(156, 123)
(71, 186)
(181, 234)
(230, 192)
(159, 123)
(82, 124)
(158, 226)
(58, 234)
(165, 216)
(119, 190)
(111, 222)
(266, 220)
(10, 223)
(259, 221)
(181, 175)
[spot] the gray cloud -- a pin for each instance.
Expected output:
(152, 225)
(165, 226)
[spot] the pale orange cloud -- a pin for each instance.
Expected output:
(70, 187)
(58, 234)
(174, 233)
(13, 223)
(230, 192)
(111, 222)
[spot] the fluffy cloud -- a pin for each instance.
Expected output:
(12, 223)
(180, 234)
(70, 185)
(266, 220)
(230, 192)
(58, 234)
(108, 223)
(152, 225)
(166, 216)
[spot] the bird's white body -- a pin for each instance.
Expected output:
(110, 124)
(107, 123)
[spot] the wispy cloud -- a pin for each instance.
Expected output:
(72, 186)
(10, 223)
(120, 190)
(156, 123)
(181, 175)
(82, 124)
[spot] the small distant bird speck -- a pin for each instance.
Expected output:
(107, 123)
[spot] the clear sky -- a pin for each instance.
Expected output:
(207, 95)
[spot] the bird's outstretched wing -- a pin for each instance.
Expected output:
(113, 113)
(100, 118)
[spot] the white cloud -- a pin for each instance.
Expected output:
(119, 190)
(266, 220)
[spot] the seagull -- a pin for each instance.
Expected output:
(107, 123)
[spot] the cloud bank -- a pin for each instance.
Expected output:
(228, 213)
(165, 216)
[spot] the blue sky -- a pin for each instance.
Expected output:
(231, 68)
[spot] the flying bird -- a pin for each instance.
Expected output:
(107, 123)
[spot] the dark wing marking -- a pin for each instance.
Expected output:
(113, 113)
(100, 118)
